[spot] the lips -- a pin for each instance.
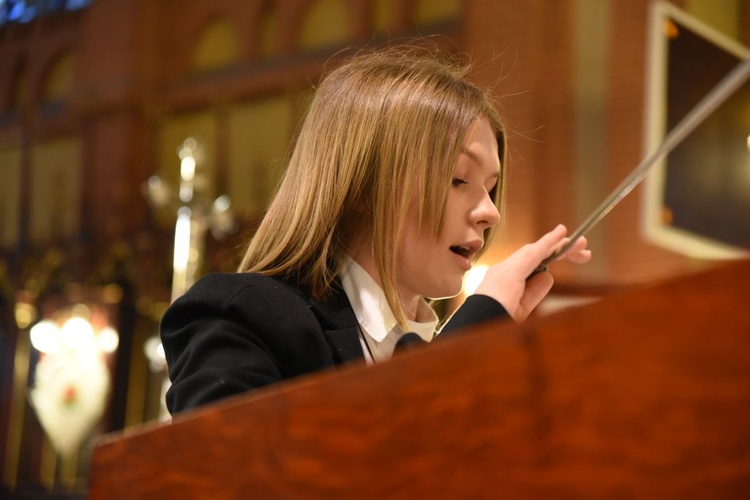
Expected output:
(467, 250)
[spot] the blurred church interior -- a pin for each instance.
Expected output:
(140, 141)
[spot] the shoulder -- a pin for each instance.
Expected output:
(235, 332)
(242, 295)
(227, 286)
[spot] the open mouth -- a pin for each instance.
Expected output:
(464, 252)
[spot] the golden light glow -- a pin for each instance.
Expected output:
(107, 340)
(25, 315)
(78, 334)
(473, 278)
(71, 330)
(46, 337)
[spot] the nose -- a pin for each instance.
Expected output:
(485, 213)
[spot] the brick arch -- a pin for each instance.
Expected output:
(216, 44)
(190, 24)
(311, 11)
(43, 59)
(246, 18)
(431, 11)
(60, 65)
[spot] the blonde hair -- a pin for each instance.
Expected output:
(382, 135)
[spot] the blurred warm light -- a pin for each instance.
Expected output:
(78, 334)
(748, 141)
(80, 310)
(187, 168)
(188, 147)
(186, 192)
(46, 337)
(182, 240)
(107, 340)
(154, 351)
(154, 183)
(473, 278)
(222, 203)
(222, 219)
(157, 192)
(112, 294)
(71, 378)
(25, 314)
(186, 152)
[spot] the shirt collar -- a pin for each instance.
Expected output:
(371, 307)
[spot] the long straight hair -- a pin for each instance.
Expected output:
(380, 140)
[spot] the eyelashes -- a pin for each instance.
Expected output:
(456, 182)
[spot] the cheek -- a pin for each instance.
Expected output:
(417, 254)
(455, 209)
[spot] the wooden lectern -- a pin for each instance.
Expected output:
(645, 394)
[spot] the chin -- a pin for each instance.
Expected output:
(446, 292)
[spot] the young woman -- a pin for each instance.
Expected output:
(392, 190)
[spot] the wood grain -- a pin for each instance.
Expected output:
(646, 394)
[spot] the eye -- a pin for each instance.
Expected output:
(458, 182)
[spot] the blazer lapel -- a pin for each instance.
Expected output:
(339, 325)
(345, 344)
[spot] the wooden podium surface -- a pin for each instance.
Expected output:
(646, 394)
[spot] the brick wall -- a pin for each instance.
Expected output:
(522, 48)
(526, 49)
(632, 258)
(134, 64)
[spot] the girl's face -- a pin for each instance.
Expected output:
(435, 269)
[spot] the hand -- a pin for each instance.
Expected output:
(509, 281)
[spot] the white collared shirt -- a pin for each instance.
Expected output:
(378, 326)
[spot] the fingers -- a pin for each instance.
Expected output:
(578, 253)
(533, 254)
(580, 257)
(537, 287)
(552, 240)
(511, 282)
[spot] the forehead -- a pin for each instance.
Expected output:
(480, 145)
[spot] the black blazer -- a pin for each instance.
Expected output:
(233, 332)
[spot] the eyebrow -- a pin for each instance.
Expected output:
(473, 156)
(476, 159)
